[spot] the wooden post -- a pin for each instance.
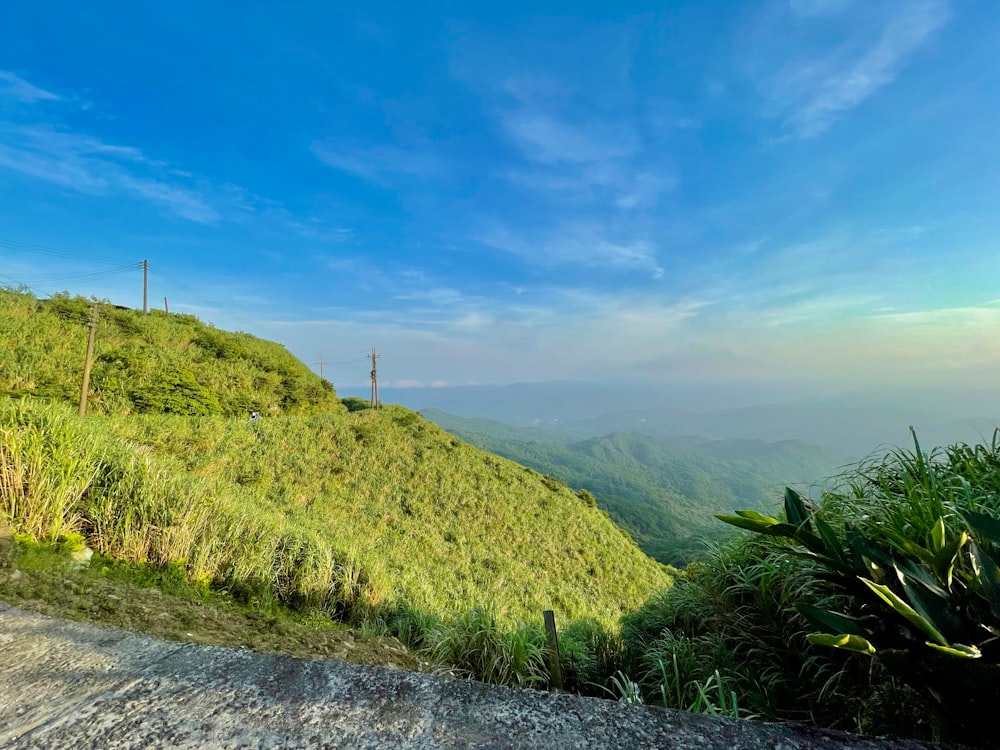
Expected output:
(166, 307)
(555, 665)
(89, 361)
(145, 287)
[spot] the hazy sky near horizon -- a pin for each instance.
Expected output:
(793, 190)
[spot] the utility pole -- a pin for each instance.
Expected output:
(89, 361)
(166, 307)
(145, 287)
(321, 363)
(374, 358)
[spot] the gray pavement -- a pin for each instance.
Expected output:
(72, 685)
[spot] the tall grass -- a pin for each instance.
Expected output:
(347, 513)
(731, 627)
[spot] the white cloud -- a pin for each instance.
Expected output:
(581, 243)
(812, 93)
(546, 139)
(88, 165)
(19, 89)
(378, 164)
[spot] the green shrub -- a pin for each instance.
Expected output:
(910, 553)
(354, 403)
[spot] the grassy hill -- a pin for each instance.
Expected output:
(149, 363)
(663, 495)
(352, 513)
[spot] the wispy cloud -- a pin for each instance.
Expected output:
(20, 90)
(812, 92)
(34, 144)
(575, 154)
(580, 243)
(811, 8)
(380, 164)
(549, 140)
(88, 165)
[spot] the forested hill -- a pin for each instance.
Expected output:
(151, 364)
(355, 513)
(663, 495)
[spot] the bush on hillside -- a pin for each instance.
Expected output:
(899, 563)
(913, 551)
(355, 403)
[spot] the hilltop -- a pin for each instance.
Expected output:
(149, 364)
(313, 506)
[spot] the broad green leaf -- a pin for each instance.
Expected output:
(944, 560)
(756, 522)
(903, 544)
(795, 510)
(957, 649)
(988, 577)
(937, 536)
(835, 547)
(834, 621)
(889, 597)
(935, 609)
(862, 549)
(847, 642)
(920, 574)
(985, 526)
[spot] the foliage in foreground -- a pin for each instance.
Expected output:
(763, 612)
(917, 573)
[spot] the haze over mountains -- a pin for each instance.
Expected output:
(853, 424)
(665, 494)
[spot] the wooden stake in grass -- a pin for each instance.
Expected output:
(555, 666)
(89, 361)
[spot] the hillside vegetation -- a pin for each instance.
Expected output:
(353, 513)
(150, 364)
(663, 495)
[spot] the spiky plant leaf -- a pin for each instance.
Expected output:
(947, 555)
(957, 649)
(833, 544)
(985, 526)
(834, 621)
(934, 609)
(938, 535)
(750, 520)
(855, 643)
(795, 510)
(889, 597)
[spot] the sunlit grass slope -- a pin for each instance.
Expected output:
(347, 513)
(148, 363)
(312, 506)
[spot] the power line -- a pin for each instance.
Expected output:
(30, 247)
(118, 268)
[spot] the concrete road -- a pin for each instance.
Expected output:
(71, 685)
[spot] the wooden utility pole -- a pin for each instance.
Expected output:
(555, 665)
(166, 307)
(374, 358)
(145, 287)
(321, 363)
(89, 361)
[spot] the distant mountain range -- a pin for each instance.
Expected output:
(852, 424)
(663, 494)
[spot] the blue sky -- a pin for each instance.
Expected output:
(794, 190)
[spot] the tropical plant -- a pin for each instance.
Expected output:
(912, 551)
